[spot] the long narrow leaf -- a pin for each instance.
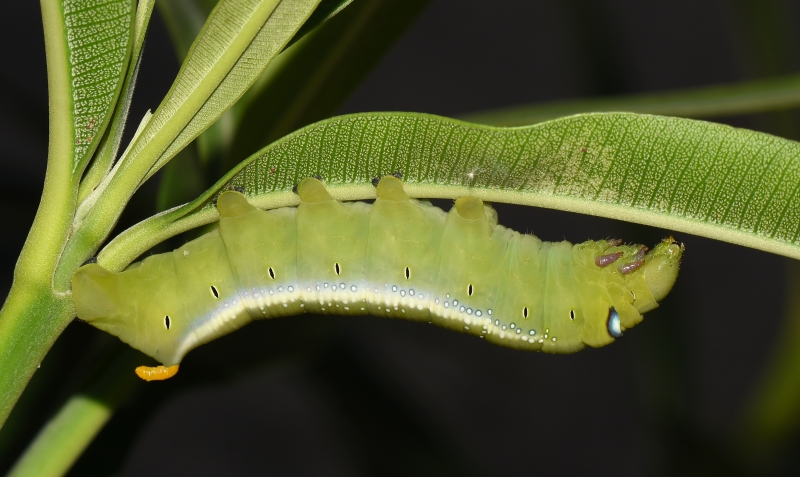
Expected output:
(226, 37)
(692, 176)
(238, 41)
(310, 80)
(234, 78)
(326, 10)
(107, 152)
(185, 19)
(98, 38)
(774, 94)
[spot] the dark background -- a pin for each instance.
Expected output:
(365, 396)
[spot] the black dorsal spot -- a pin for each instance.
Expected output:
(525, 312)
(470, 290)
(317, 177)
(398, 174)
(572, 315)
(271, 273)
(408, 273)
(214, 291)
(167, 322)
(337, 269)
(375, 181)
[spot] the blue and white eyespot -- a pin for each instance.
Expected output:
(614, 326)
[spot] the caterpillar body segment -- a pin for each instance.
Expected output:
(399, 258)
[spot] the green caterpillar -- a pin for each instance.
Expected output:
(399, 258)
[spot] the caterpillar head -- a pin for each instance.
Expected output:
(656, 275)
(635, 283)
(648, 275)
(660, 269)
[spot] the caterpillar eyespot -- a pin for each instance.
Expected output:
(528, 288)
(613, 324)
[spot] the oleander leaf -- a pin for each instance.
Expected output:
(238, 41)
(109, 145)
(185, 20)
(691, 176)
(312, 78)
(758, 96)
(326, 10)
(96, 49)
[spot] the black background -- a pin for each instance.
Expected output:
(365, 396)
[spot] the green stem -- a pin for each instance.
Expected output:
(53, 219)
(34, 315)
(30, 321)
(59, 444)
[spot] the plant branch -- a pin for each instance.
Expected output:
(59, 444)
(773, 94)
